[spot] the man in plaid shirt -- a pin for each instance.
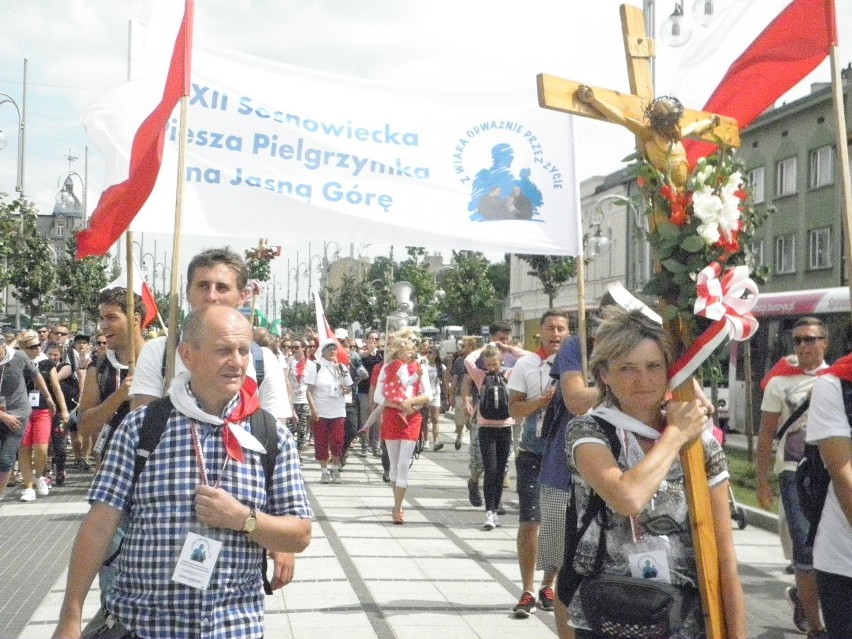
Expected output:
(195, 490)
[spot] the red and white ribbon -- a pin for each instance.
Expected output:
(719, 298)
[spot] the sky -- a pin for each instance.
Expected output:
(78, 50)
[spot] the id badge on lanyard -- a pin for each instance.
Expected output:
(200, 551)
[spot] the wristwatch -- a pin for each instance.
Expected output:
(251, 522)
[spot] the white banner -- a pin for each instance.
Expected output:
(279, 151)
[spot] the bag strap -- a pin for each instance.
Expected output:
(800, 409)
(264, 427)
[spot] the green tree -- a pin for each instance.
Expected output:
(499, 274)
(470, 296)
(80, 281)
(552, 271)
(298, 315)
(30, 267)
(349, 303)
(415, 270)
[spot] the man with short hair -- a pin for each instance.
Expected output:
(530, 392)
(217, 276)
(202, 514)
(43, 336)
(786, 390)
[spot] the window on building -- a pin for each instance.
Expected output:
(822, 167)
(785, 178)
(60, 230)
(819, 248)
(756, 180)
(785, 254)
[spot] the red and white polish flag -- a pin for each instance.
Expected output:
(748, 58)
(141, 288)
(120, 203)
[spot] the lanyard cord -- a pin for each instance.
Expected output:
(199, 457)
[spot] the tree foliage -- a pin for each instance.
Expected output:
(30, 266)
(80, 281)
(470, 295)
(552, 271)
(298, 315)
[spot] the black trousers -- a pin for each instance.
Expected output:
(495, 442)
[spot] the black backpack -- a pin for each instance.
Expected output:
(494, 397)
(812, 478)
(263, 426)
(569, 580)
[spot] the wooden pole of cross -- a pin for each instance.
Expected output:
(664, 152)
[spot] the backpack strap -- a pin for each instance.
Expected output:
(575, 528)
(800, 409)
(157, 414)
(264, 427)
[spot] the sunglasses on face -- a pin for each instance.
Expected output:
(60, 333)
(29, 348)
(807, 339)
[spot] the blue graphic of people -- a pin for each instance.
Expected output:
(649, 571)
(199, 552)
(497, 195)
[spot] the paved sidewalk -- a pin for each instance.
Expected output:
(362, 577)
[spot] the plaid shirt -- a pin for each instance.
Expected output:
(161, 509)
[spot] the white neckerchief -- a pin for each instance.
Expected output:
(113, 359)
(184, 401)
(10, 353)
(625, 422)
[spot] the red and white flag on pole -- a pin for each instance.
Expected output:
(120, 203)
(753, 54)
(323, 329)
(141, 288)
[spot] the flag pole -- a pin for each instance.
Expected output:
(130, 301)
(842, 155)
(174, 292)
(174, 284)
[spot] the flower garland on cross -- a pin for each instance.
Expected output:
(701, 234)
(258, 260)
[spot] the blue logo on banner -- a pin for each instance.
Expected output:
(496, 193)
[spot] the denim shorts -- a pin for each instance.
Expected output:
(528, 468)
(803, 554)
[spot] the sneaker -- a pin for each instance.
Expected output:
(386, 477)
(473, 493)
(28, 495)
(799, 619)
(325, 478)
(335, 475)
(490, 521)
(363, 453)
(497, 523)
(525, 606)
(438, 446)
(546, 598)
(458, 443)
(42, 487)
(60, 478)
(500, 510)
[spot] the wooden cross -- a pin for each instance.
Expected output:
(628, 109)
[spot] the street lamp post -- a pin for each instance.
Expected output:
(309, 270)
(21, 111)
(325, 267)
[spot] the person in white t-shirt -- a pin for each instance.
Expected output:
(328, 382)
(828, 426)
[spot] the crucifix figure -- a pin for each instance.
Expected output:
(659, 126)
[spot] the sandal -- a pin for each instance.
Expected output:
(398, 518)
